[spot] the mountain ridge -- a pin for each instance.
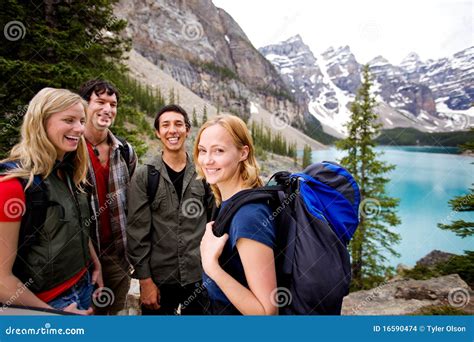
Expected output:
(432, 96)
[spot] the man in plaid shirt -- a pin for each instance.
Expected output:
(112, 162)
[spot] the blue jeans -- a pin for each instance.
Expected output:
(80, 293)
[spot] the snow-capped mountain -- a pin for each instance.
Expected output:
(429, 96)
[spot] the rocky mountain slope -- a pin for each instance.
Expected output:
(203, 48)
(150, 74)
(432, 96)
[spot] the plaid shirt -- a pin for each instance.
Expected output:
(116, 199)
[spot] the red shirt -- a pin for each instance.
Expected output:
(49, 295)
(12, 202)
(102, 184)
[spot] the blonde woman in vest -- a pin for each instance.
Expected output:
(50, 270)
(244, 280)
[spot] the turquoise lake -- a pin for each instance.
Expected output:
(424, 180)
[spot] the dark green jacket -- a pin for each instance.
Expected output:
(60, 249)
(163, 241)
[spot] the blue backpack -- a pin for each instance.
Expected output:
(315, 214)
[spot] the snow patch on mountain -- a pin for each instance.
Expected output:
(432, 95)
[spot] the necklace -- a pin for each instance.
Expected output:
(94, 147)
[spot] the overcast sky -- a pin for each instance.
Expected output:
(391, 28)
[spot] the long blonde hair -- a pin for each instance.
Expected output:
(249, 169)
(35, 153)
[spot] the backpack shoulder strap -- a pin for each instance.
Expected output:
(209, 202)
(125, 151)
(260, 195)
(36, 203)
(153, 177)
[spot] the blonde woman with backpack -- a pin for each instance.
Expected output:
(239, 267)
(46, 266)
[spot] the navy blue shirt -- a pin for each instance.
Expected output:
(252, 221)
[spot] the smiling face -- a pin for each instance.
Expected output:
(172, 131)
(101, 110)
(220, 158)
(64, 129)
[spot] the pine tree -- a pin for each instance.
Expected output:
(53, 44)
(464, 203)
(307, 158)
(171, 98)
(204, 114)
(292, 153)
(377, 212)
(195, 120)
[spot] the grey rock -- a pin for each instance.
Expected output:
(408, 296)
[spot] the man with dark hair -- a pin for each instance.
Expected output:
(112, 162)
(165, 226)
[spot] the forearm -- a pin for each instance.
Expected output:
(240, 296)
(13, 291)
(94, 257)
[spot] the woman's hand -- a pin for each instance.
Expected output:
(72, 308)
(211, 249)
(96, 276)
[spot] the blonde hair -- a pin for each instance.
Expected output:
(35, 153)
(249, 170)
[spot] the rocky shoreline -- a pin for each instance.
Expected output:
(411, 297)
(447, 295)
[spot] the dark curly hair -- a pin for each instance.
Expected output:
(98, 87)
